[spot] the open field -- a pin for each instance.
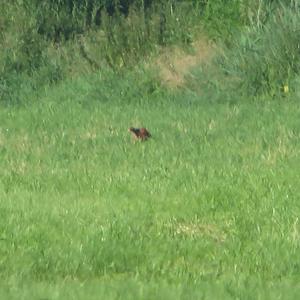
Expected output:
(207, 209)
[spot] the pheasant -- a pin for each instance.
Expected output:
(140, 133)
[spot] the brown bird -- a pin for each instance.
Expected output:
(140, 133)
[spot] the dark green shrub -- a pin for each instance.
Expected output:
(9, 89)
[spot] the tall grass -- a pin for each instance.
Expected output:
(265, 58)
(261, 59)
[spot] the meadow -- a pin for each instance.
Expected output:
(208, 208)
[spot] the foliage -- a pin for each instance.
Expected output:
(265, 58)
(261, 59)
(44, 41)
(101, 32)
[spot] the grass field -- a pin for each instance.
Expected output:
(207, 209)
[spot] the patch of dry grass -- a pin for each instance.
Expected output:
(174, 63)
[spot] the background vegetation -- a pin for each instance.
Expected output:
(43, 42)
(206, 209)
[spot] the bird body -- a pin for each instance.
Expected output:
(140, 133)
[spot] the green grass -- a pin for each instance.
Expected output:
(207, 209)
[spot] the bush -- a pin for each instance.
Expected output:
(265, 57)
